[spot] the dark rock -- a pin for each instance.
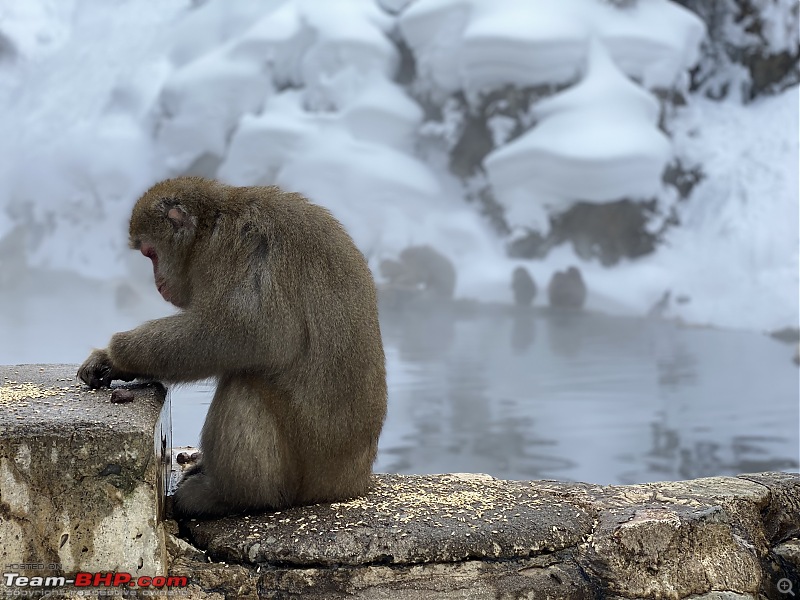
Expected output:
(608, 232)
(421, 269)
(121, 395)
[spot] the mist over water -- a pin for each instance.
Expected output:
(585, 397)
(520, 395)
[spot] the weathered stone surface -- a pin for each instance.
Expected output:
(405, 520)
(790, 552)
(781, 514)
(551, 576)
(472, 536)
(79, 486)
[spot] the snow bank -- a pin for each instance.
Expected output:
(605, 127)
(654, 41)
(343, 133)
(36, 29)
(736, 252)
(76, 152)
(527, 44)
(474, 46)
(201, 105)
(734, 257)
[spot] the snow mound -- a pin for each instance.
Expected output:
(475, 46)
(604, 127)
(736, 251)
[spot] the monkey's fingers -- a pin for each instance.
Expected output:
(97, 377)
(95, 372)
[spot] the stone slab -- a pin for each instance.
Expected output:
(81, 478)
(473, 536)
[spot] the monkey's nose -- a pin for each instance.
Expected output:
(149, 251)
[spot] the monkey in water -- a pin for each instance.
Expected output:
(567, 289)
(423, 268)
(278, 305)
(523, 286)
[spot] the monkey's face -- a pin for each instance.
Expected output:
(164, 284)
(163, 230)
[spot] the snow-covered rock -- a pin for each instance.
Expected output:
(263, 143)
(653, 41)
(476, 46)
(604, 128)
(202, 104)
(382, 112)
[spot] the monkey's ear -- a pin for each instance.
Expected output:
(178, 217)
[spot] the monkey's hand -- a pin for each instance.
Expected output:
(98, 371)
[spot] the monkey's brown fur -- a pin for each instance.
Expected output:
(279, 306)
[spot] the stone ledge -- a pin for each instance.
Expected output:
(81, 485)
(473, 536)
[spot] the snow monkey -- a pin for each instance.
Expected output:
(278, 305)
(523, 286)
(424, 268)
(567, 289)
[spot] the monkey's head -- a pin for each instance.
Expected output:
(392, 269)
(574, 274)
(163, 227)
(520, 276)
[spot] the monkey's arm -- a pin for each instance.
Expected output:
(177, 348)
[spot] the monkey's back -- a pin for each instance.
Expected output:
(523, 286)
(567, 289)
(317, 282)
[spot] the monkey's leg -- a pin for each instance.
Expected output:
(248, 462)
(197, 496)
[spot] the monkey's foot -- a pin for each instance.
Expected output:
(197, 496)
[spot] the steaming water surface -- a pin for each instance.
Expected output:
(586, 397)
(534, 395)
